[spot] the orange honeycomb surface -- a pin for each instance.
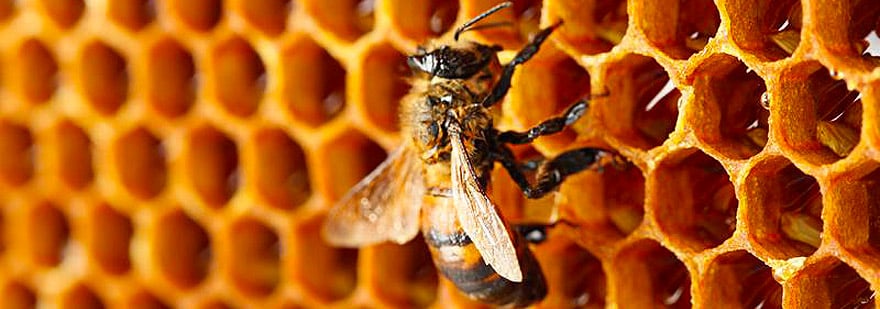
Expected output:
(183, 153)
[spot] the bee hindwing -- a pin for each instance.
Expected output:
(384, 206)
(478, 216)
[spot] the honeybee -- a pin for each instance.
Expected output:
(437, 179)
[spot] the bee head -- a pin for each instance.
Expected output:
(453, 62)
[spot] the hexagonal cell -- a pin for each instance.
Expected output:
(645, 105)
(864, 20)
(269, 16)
(104, 77)
(37, 71)
(314, 82)
(769, 29)
(255, 254)
(281, 173)
(823, 118)
(697, 202)
(592, 27)
(72, 155)
(327, 273)
(182, 249)
(646, 268)
(346, 19)
(199, 15)
(383, 83)
(212, 165)
(408, 277)
(346, 161)
(422, 19)
(545, 89)
(17, 295)
(614, 203)
(81, 296)
(783, 209)
(17, 147)
(139, 157)
(171, 82)
(132, 14)
(732, 120)
(739, 279)
(854, 223)
(146, 300)
(111, 233)
(678, 28)
(65, 13)
(578, 275)
(833, 285)
(239, 77)
(48, 233)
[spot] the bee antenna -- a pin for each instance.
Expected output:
(467, 26)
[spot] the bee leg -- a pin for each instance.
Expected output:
(503, 85)
(536, 233)
(551, 173)
(549, 126)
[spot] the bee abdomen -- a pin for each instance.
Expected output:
(458, 259)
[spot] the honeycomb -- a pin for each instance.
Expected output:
(183, 153)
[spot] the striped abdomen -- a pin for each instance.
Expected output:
(458, 259)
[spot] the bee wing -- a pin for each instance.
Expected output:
(383, 206)
(478, 216)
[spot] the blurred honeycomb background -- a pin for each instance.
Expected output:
(158, 153)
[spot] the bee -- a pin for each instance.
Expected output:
(435, 182)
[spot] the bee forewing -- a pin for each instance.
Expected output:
(478, 216)
(384, 206)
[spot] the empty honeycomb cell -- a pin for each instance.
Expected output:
(146, 300)
(111, 233)
(313, 82)
(621, 198)
(591, 27)
(282, 175)
(256, 250)
(182, 249)
(171, 83)
(422, 19)
(767, 29)
(104, 77)
(269, 17)
(48, 233)
(733, 119)
(64, 13)
(853, 223)
(864, 17)
(346, 160)
(567, 81)
(239, 77)
(651, 276)
(645, 102)
(678, 28)
(327, 273)
(739, 279)
(832, 284)
(73, 155)
(212, 165)
(37, 71)
(17, 295)
(132, 14)
(824, 118)
(846, 33)
(382, 86)
(344, 19)
(407, 277)
(783, 209)
(696, 201)
(80, 296)
(578, 275)
(139, 157)
(198, 15)
(17, 146)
